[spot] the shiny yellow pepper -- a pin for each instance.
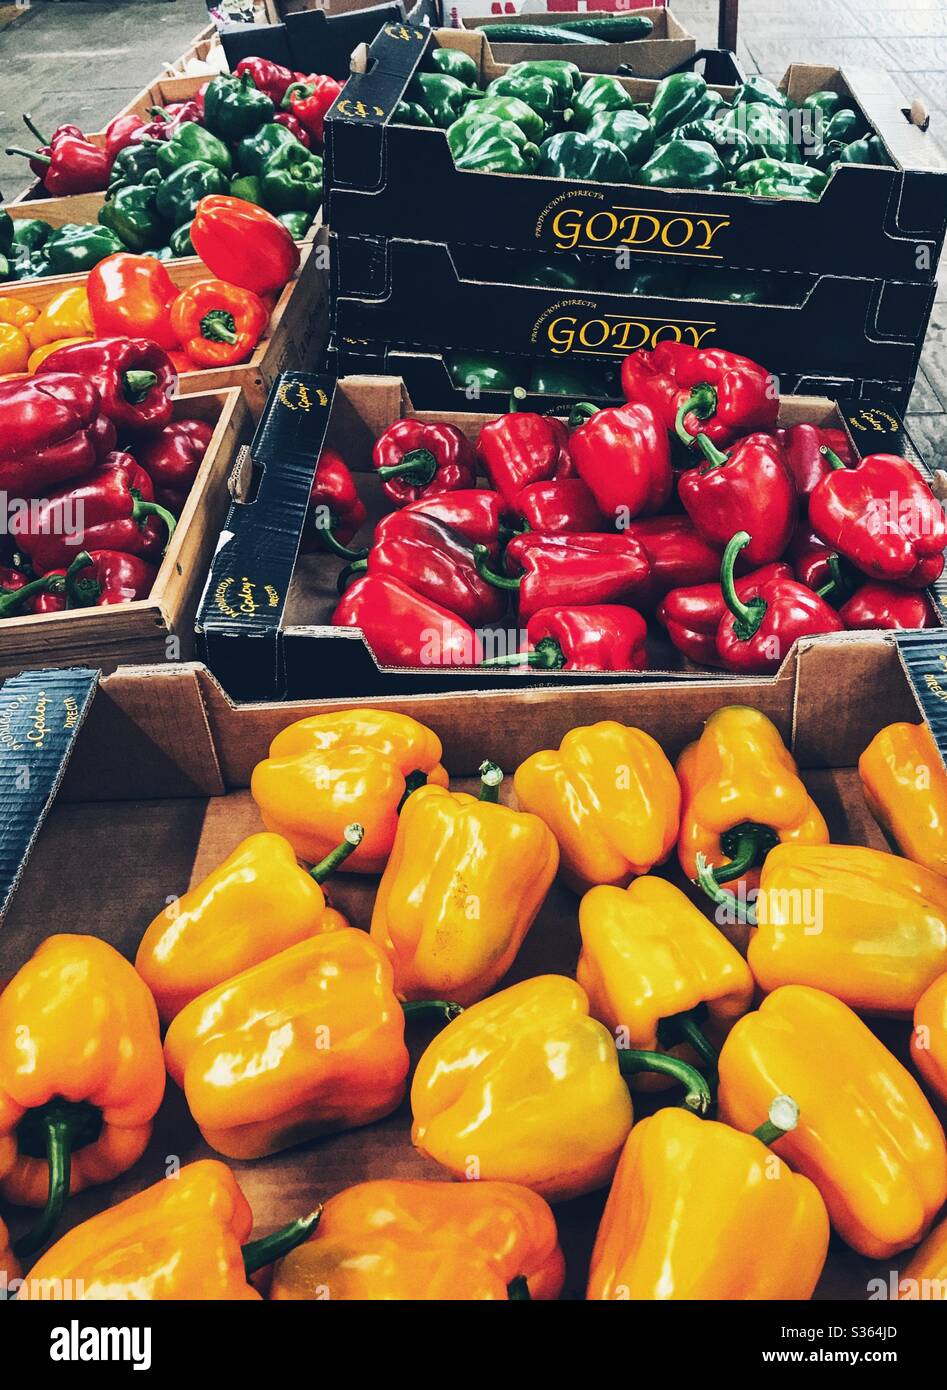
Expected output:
(14, 349)
(462, 888)
(929, 1036)
(610, 797)
(924, 1277)
(17, 311)
(67, 315)
(905, 785)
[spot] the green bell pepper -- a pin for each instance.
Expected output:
(6, 232)
(75, 248)
(683, 164)
(846, 125)
(549, 274)
(566, 76)
(453, 63)
(192, 142)
(180, 241)
(441, 96)
(825, 102)
(469, 127)
(31, 266)
(296, 223)
(132, 214)
(255, 151)
(509, 109)
(755, 170)
(292, 181)
(780, 188)
(766, 128)
(724, 288)
(132, 163)
(756, 89)
(248, 187)
(868, 150)
(676, 100)
(30, 233)
(411, 113)
(181, 192)
(572, 155)
(160, 253)
(489, 150)
(471, 372)
(600, 93)
(710, 107)
(732, 146)
(235, 107)
(537, 90)
(629, 130)
(551, 379)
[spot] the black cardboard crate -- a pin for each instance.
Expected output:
(314, 41)
(384, 179)
(425, 294)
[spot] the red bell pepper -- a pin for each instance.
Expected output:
(165, 120)
(244, 244)
(294, 127)
(521, 448)
(623, 455)
(96, 579)
(172, 458)
(574, 570)
(887, 606)
(112, 508)
(69, 163)
(404, 629)
(135, 379)
(122, 131)
(677, 553)
(802, 445)
(477, 513)
(760, 627)
(562, 505)
(415, 460)
(692, 615)
(691, 389)
(434, 561)
(811, 559)
(131, 296)
(18, 591)
(336, 511)
(309, 102)
(51, 429)
(603, 637)
(266, 76)
(882, 516)
(750, 489)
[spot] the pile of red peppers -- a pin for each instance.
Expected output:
(685, 512)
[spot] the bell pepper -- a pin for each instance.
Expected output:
(252, 1057)
(234, 107)
(292, 180)
(699, 1211)
(539, 90)
(676, 99)
(309, 102)
(512, 109)
(677, 553)
(296, 223)
(605, 637)
(866, 1136)
(803, 176)
(135, 378)
(630, 131)
(183, 1238)
(252, 906)
(929, 1036)
(494, 146)
(477, 513)
(568, 570)
(172, 458)
(572, 155)
(882, 516)
(783, 188)
(702, 390)
(244, 245)
(95, 579)
(559, 506)
(254, 152)
(17, 313)
(564, 76)
(71, 164)
(81, 1075)
(132, 164)
(731, 146)
(178, 195)
(925, 1275)
(266, 76)
(39, 355)
(455, 64)
(218, 324)
(435, 562)
(682, 163)
(440, 95)
(905, 786)
(600, 94)
(19, 594)
(427, 1240)
(474, 123)
(50, 430)
(191, 144)
(692, 615)
(415, 459)
(411, 113)
(521, 448)
(622, 454)
(750, 488)
(132, 296)
(75, 248)
(14, 350)
(327, 771)
(888, 606)
(403, 628)
(768, 129)
(802, 445)
(741, 794)
(132, 214)
(464, 883)
(295, 127)
(336, 512)
(610, 797)
(526, 1087)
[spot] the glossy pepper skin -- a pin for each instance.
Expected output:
(135, 379)
(610, 797)
(622, 455)
(677, 553)
(866, 1136)
(851, 510)
(706, 390)
(559, 505)
(598, 637)
(888, 606)
(403, 628)
(905, 786)
(699, 1211)
(267, 76)
(929, 1036)
(521, 448)
(802, 445)
(96, 579)
(925, 1275)
(172, 459)
(251, 1054)
(462, 888)
(391, 1240)
(580, 570)
(218, 324)
(476, 513)
(243, 244)
(309, 102)
(572, 155)
(70, 164)
(327, 771)
(80, 1071)
(740, 781)
(293, 180)
(235, 107)
(336, 512)
(50, 431)
(750, 488)
(190, 144)
(682, 163)
(676, 99)
(179, 194)
(131, 296)
(425, 459)
(692, 614)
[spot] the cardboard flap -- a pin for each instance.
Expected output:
(924, 658)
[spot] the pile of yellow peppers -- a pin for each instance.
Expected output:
(29, 335)
(283, 1023)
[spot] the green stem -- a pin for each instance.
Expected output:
(745, 845)
(28, 122)
(352, 839)
(350, 572)
(412, 783)
(783, 1117)
(715, 458)
(685, 1028)
(581, 412)
(482, 562)
(258, 1253)
(137, 384)
(517, 397)
(78, 596)
(517, 1290)
(697, 1092)
(748, 615)
(702, 402)
(344, 553)
(12, 598)
(219, 326)
(547, 655)
(830, 454)
(54, 1131)
(706, 881)
(491, 775)
(417, 467)
(441, 1009)
(35, 155)
(143, 509)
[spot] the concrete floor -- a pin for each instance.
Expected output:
(81, 62)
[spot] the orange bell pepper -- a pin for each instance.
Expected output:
(331, 769)
(131, 296)
(905, 785)
(14, 350)
(254, 905)
(182, 1239)
(427, 1240)
(81, 1075)
(929, 1037)
(866, 1136)
(218, 324)
(17, 312)
(924, 1277)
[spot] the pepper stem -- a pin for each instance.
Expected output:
(12, 598)
(517, 397)
(412, 783)
(77, 597)
(714, 457)
(482, 562)
(344, 553)
(258, 1253)
(54, 1131)
(352, 838)
(783, 1118)
(748, 615)
(752, 841)
(836, 586)
(351, 572)
(702, 402)
(31, 127)
(697, 1093)
(547, 655)
(417, 467)
(137, 384)
(722, 896)
(219, 326)
(440, 1009)
(580, 413)
(491, 775)
(517, 1290)
(142, 509)
(685, 1028)
(830, 454)
(36, 155)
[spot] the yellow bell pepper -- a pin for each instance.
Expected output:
(305, 1043)
(866, 1136)
(924, 1277)
(17, 311)
(14, 349)
(658, 973)
(905, 785)
(67, 315)
(741, 794)
(427, 1240)
(610, 797)
(324, 772)
(929, 1036)
(40, 354)
(869, 927)
(525, 1087)
(254, 905)
(699, 1211)
(462, 888)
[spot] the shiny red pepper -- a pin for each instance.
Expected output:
(602, 637)
(294, 127)
(521, 448)
(748, 489)
(558, 506)
(802, 445)
(172, 459)
(622, 454)
(70, 163)
(476, 512)
(132, 296)
(888, 606)
(761, 626)
(693, 389)
(811, 559)
(882, 516)
(309, 102)
(572, 570)
(135, 378)
(51, 429)
(416, 459)
(15, 591)
(269, 77)
(336, 511)
(96, 579)
(122, 131)
(404, 629)
(677, 553)
(692, 615)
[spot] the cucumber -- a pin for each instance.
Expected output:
(533, 33)
(622, 28)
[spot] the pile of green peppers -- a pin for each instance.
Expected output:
(544, 117)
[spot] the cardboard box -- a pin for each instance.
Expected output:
(668, 46)
(140, 631)
(154, 796)
(390, 180)
(264, 622)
